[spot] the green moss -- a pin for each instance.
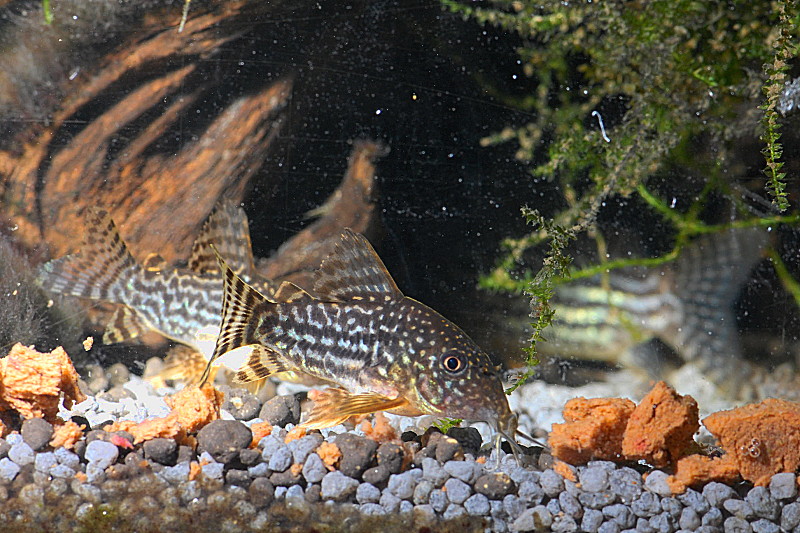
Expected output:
(623, 92)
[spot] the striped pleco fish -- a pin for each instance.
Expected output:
(379, 349)
(181, 304)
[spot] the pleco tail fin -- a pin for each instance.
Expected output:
(709, 275)
(102, 269)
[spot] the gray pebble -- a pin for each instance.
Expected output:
(762, 503)
(434, 472)
(37, 433)
(213, 470)
(45, 462)
(305, 446)
(62, 471)
(739, 508)
(513, 506)
(695, 500)
(554, 507)
(22, 454)
(790, 516)
(713, 517)
(643, 526)
(657, 482)
(337, 486)
(457, 491)
(646, 505)
(626, 483)
(390, 502)
(259, 470)
(672, 506)
(537, 518)
(240, 403)
(372, 509)
(281, 410)
(593, 478)
(783, 486)
(403, 485)
(176, 474)
(608, 527)
(663, 523)
(570, 505)
(765, 526)
(8, 469)
(564, 524)
(591, 520)
(551, 482)
(280, 493)
(295, 492)
(280, 460)
(314, 469)
(689, 519)
(597, 500)
(437, 499)
(422, 491)
(367, 493)
(453, 511)
(477, 505)
(269, 445)
(99, 453)
(620, 514)
(466, 471)
(716, 493)
(4, 447)
(66, 457)
(406, 507)
(736, 525)
(531, 492)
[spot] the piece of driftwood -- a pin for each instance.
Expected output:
(125, 135)
(354, 205)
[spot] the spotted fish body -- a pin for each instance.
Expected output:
(378, 348)
(181, 304)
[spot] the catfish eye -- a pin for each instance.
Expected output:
(453, 362)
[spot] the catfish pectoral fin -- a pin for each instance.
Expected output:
(335, 405)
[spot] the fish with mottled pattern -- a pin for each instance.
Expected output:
(689, 305)
(379, 350)
(183, 304)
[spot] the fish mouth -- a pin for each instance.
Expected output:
(506, 427)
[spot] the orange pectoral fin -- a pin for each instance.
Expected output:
(334, 405)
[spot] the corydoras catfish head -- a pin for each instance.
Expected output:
(453, 376)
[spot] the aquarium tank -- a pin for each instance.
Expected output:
(442, 265)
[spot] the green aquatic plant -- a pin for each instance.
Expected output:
(625, 92)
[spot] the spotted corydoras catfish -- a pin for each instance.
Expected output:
(181, 304)
(379, 349)
(687, 304)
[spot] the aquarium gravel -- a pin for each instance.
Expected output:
(434, 481)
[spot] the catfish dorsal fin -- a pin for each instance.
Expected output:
(227, 228)
(353, 270)
(239, 302)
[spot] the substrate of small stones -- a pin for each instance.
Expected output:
(431, 482)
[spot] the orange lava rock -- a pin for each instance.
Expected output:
(295, 433)
(593, 429)
(32, 383)
(166, 427)
(195, 407)
(194, 470)
(762, 439)
(380, 430)
(661, 427)
(260, 430)
(330, 454)
(296, 469)
(66, 435)
(564, 470)
(697, 470)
